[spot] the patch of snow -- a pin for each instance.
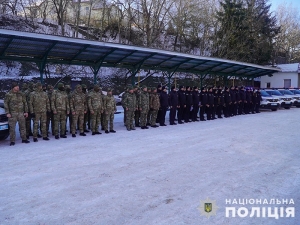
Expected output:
(155, 176)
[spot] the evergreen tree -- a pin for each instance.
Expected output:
(246, 31)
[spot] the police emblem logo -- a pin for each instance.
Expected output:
(208, 207)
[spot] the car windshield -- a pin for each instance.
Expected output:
(275, 92)
(286, 92)
(296, 91)
(265, 94)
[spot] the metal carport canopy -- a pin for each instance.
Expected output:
(42, 49)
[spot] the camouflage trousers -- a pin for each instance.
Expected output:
(153, 117)
(124, 120)
(129, 119)
(109, 118)
(103, 121)
(60, 122)
(77, 117)
(95, 120)
(87, 120)
(148, 116)
(137, 115)
(39, 121)
(143, 119)
(50, 118)
(28, 125)
(17, 117)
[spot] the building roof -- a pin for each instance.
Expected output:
(41, 48)
(293, 67)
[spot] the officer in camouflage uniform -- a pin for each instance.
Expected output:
(78, 106)
(95, 106)
(16, 110)
(103, 121)
(69, 116)
(110, 109)
(60, 107)
(130, 105)
(137, 113)
(154, 107)
(50, 114)
(122, 102)
(144, 107)
(39, 105)
(87, 116)
(28, 118)
(149, 113)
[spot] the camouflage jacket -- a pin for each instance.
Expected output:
(15, 102)
(124, 97)
(144, 100)
(95, 101)
(138, 98)
(109, 103)
(39, 102)
(78, 102)
(27, 94)
(130, 101)
(60, 101)
(154, 101)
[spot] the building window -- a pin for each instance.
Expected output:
(268, 85)
(287, 83)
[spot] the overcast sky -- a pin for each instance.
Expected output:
(275, 3)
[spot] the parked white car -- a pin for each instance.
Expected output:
(4, 129)
(269, 101)
(285, 101)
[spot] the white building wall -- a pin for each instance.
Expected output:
(277, 80)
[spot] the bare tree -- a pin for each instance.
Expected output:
(288, 41)
(152, 18)
(9, 6)
(61, 9)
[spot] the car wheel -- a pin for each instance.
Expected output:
(274, 109)
(287, 107)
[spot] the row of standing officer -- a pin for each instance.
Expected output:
(188, 103)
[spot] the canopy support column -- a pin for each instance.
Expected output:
(41, 64)
(95, 70)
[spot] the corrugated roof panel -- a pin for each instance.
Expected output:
(20, 46)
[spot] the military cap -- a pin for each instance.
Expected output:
(173, 87)
(49, 86)
(164, 87)
(144, 86)
(24, 86)
(96, 87)
(153, 88)
(130, 88)
(159, 86)
(109, 90)
(84, 86)
(38, 85)
(60, 85)
(30, 84)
